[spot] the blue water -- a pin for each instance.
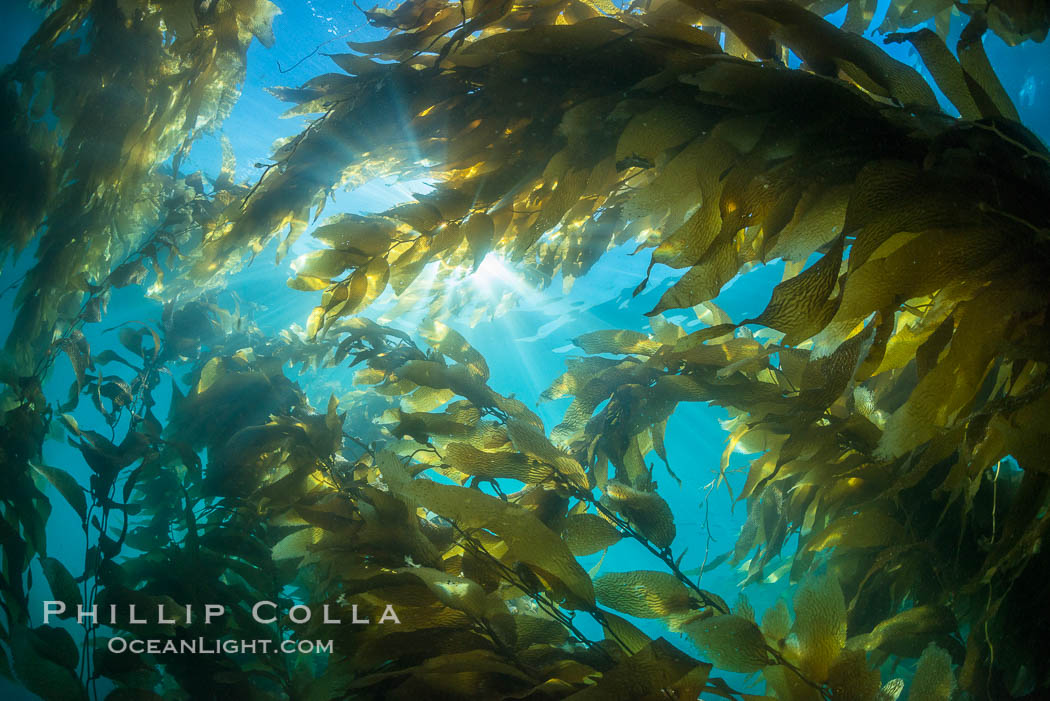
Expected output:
(541, 327)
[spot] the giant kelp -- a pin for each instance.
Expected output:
(896, 394)
(100, 96)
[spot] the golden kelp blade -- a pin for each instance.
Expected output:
(657, 668)
(647, 511)
(525, 536)
(933, 678)
(586, 534)
(643, 593)
(100, 164)
(732, 643)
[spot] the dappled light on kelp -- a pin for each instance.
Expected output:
(893, 392)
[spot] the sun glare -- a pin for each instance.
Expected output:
(492, 279)
(491, 275)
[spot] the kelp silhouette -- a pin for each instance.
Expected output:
(898, 394)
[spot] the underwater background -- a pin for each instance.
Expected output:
(524, 324)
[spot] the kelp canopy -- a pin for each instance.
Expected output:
(896, 396)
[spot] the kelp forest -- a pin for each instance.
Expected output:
(891, 399)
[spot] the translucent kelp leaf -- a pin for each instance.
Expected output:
(356, 65)
(579, 371)
(818, 42)
(351, 233)
(818, 219)
(776, 622)
(563, 191)
(526, 537)
(868, 529)
(891, 690)
(852, 679)
(824, 380)
(617, 342)
(981, 76)
(450, 342)
(456, 592)
(297, 544)
(539, 630)
(456, 378)
(952, 383)
(472, 461)
(456, 423)
(531, 441)
(79, 352)
(801, 306)
(744, 609)
(586, 534)
(643, 593)
(259, 16)
(859, 14)
(919, 623)
(944, 68)
(594, 391)
(921, 339)
(627, 635)
(703, 281)
(647, 511)
(67, 486)
(426, 399)
(732, 643)
(651, 133)
(671, 192)
(820, 624)
(933, 680)
(649, 673)
(480, 235)
(308, 283)
(327, 263)
(688, 243)
(252, 456)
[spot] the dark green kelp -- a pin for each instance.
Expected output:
(896, 395)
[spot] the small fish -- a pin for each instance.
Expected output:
(1026, 96)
